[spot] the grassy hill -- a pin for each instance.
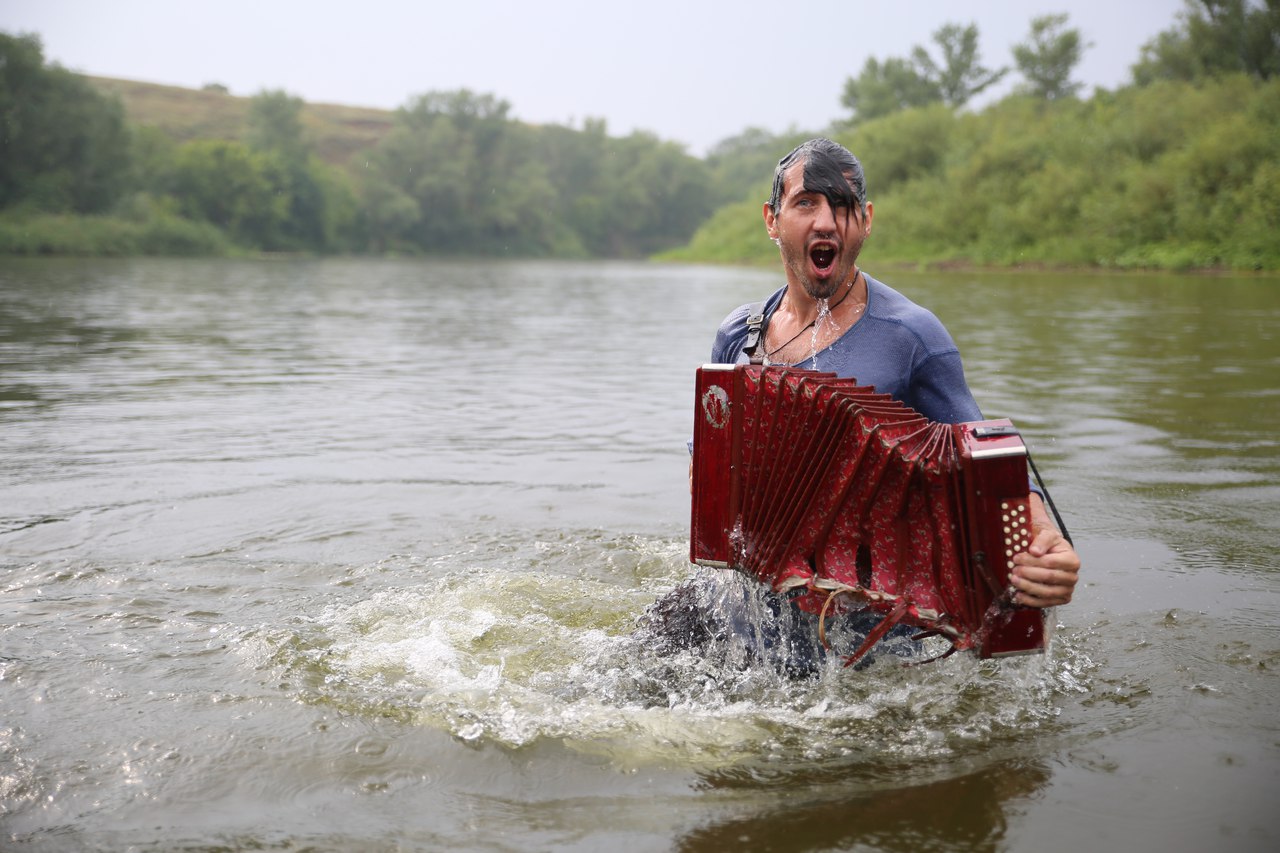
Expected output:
(336, 131)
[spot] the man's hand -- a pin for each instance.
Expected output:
(1045, 574)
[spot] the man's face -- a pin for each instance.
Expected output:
(819, 244)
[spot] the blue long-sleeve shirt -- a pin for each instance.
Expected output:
(897, 346)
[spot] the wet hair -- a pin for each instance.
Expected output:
(830, 169)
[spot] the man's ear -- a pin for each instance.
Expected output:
(770, 222)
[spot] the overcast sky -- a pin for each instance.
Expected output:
(695, 72)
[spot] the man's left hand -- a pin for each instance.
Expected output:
(1045, 575)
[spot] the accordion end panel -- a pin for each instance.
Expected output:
(713, 469)
(997, 506)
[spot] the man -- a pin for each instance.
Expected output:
(832, 316)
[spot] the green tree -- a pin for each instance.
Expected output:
(903, 146)
(1214, 37)
(622, 197)
(896, 84)
(457, 175)
(959, 76)
(655, 194)
(1048, 58)
(319, 203)
(743, 163)
(577, 166)
(886, 87)
(228, 185)
(275, 124)
(390, 215)
(471, 174)
(63, 146)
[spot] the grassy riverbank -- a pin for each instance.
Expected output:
(109, 236)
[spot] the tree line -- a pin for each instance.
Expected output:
(1178, 168)
(456, 175)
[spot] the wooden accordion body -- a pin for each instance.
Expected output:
(835, 493)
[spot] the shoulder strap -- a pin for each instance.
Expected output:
(753, 345)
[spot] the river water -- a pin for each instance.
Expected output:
(347, 555)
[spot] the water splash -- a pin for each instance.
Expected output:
(517, 657)
(823, 321)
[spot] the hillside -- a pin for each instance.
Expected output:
(336, 131)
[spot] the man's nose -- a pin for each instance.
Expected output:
(825, 217)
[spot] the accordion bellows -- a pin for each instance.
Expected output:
(839, 496)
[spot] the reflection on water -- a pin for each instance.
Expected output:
(351, 554)
(969, 812)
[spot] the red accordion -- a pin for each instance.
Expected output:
(819, 486)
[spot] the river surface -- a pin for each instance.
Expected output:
(347, 555)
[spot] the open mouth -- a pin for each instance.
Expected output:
(822, 257)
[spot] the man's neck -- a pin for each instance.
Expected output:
(804, 308)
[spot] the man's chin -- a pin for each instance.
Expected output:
(821, 286)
